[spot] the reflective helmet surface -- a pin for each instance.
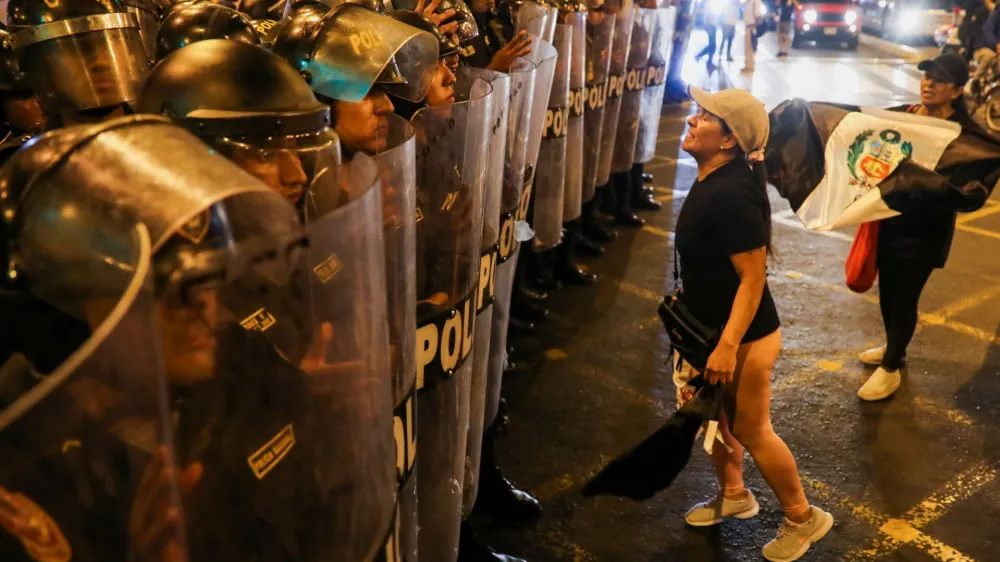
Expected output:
(11, 77)
(189, 22)
(85, 55)
(446, 47)
(347, 50)
(147, 12)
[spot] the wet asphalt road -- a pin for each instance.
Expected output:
(912, 478)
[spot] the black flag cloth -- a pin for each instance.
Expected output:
(653, 464)
(841, 166)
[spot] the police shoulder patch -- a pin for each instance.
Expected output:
(263, 460)
(328, 269)
(259, 321)
(195, 229)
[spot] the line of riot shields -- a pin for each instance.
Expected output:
(259, 264)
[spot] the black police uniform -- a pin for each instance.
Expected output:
(493, 35)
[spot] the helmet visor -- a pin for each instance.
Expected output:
(300, 168)
(92, 68)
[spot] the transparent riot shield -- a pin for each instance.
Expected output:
(600, 30)
(356, 44)
(89, 471)
(147, 13)
(550, 177)
(452, 142)
(397, 162)
(656, 79)
(500, 106)
(616, 86)
(550, 24)
(635, 81)
(544, 56)
(533, 18)
(519, 130)
(573, 189)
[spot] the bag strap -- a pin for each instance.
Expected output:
(676, 274)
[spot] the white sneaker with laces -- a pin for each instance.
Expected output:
(713, 512)
(872, 357)
(880, 385)
(793, 541)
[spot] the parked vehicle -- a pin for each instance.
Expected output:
(907, 19)
(827, 21)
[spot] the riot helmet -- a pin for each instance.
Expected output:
(467, 29)
(267, 30)
(446, 47)
(189, 22)
(148, 15)
(20, 109)
(351, 48)
(253, 107)
(571, 6)
(87, 54)
(261, 9)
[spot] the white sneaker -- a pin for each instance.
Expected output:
(872, 357)
(713, 512)
(793, 541)
(880, 385)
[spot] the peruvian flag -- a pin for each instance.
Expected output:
(840, 166)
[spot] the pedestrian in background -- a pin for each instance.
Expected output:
(730, 17)
(710, 21)
(751, 18)
(723, 239)
(786, 8)
(912, 245)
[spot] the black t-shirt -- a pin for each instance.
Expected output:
(723, 215)
(785, 10)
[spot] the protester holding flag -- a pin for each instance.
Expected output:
(723, 240)
(913, 244)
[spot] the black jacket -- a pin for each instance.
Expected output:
(925, 237)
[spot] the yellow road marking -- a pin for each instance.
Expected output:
(662, 189)
(658, 232)
(830, 366)
(984, 212)
(896, 531)
(956, 416)
(960, 488)
(971, 301)
(663, 198)
(555, 354)
(977, 230)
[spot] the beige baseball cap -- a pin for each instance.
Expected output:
(744, 114)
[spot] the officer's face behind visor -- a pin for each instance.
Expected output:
(188, 335)
(442, 90)
(361, 125)
(289, 164)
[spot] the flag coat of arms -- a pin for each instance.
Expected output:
(840, 166)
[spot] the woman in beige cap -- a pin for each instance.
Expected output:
(723, 239)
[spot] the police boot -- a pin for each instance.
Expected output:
(592, 227)
(584, 247)
(521, 291)
(472, 549)
(520, 326)
(647, 177)
(622, 188)
(496, 494)
(527, 310)
(566, 269)
(642, 200)
(541, 273)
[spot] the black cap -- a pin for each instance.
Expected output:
(951, 67)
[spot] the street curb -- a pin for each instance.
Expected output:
(890, 47)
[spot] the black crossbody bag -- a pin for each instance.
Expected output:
(692, 339)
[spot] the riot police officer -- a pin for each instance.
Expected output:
(442, 85)
(188, 22)
(497, 46)
(95, 478)
(87, 75)
(281, 134)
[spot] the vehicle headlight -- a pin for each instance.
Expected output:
(850, 17)
(909, 19)
(810, 16)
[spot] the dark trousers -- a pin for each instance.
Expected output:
(900, 283)
(728, 34)
(710, 48)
